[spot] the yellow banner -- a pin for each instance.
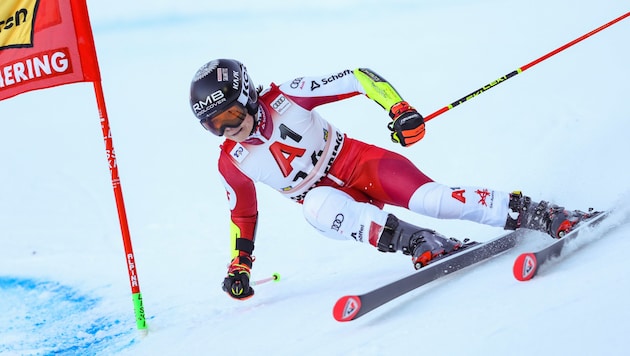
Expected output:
(17, 20)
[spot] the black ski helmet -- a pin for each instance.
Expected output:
(217, 85)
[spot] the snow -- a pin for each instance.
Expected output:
(558, 131)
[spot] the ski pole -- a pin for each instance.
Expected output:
(521, 69)
(274, 278)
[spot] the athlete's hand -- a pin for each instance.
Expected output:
(407, 126)
(236, 283)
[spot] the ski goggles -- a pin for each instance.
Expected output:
(231, 117)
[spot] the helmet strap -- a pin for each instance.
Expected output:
(256, 115)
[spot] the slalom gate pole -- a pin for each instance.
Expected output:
(120, 206)
(521, 69)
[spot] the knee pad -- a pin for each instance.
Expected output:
(336, 215)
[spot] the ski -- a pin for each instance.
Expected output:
(351, 307)
(527, 264)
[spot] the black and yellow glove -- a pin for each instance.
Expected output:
(236, 283)
(407, 126)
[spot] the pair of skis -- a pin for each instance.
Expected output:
(351, 307)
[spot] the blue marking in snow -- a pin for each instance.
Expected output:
(39, 317)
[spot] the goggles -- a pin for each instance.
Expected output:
(231, 117)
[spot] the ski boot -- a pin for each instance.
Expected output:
(424, 245)
(543, 216)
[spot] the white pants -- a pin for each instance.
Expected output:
(336, 215)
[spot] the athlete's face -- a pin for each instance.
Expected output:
(241, 132)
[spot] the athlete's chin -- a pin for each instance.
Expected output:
(236, 136)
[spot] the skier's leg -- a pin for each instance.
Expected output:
(508, 210)
(390, 178)
(481, 205)
(393, 179)
(336, 215)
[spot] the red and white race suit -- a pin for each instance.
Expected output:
(342, 183)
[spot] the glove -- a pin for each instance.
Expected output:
(407, 126)
(236, 283)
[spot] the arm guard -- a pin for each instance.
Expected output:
(377, 88)
(242, 245)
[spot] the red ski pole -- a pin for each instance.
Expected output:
(522, 69)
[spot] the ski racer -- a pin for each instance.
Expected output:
(275, 137)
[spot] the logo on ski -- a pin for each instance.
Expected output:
(525, 267)
(347, 308)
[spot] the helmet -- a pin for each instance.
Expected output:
(218, 85)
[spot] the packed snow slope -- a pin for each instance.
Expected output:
(558, 131)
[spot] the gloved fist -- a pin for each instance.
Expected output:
(407, 126)
(236, 283)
